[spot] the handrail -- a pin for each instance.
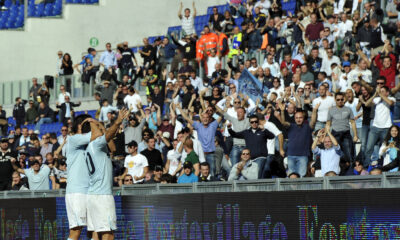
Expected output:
(386, 180)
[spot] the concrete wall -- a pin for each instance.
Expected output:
(33, 52)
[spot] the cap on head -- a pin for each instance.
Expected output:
(158, 168)
(188, 165)
(346, 64)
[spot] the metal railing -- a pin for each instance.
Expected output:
(78, 90)
(386, 180)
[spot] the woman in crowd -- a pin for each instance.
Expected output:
(390, 148)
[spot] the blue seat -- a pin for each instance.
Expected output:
(39, 10)
(56, 11)
(209, 10)
(8, 3)
(47, 10)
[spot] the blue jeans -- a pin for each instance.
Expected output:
(375, 136)
(346, 143)
(364, 138)
(235, 154)
(42, 121)
(211, 160)
(261, 163)
(266, 173)
(396, 111)
(298, 164)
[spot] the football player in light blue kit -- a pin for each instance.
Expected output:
(78, 176)
(100, 200)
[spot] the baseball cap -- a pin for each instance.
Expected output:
(132, 144)
(187, 165)
(346, 64)
(158, 168)
(165, 118)
(35, 162)
(4, 140)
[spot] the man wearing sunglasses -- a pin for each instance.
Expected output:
(246, 169)
(256, 140)
(338, 120)
(382, 120)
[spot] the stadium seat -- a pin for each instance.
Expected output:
(8, 3)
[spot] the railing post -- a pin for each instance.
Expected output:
(384, 182)
(194, 187)
(73, 88)
(234, 186)
(278, 184)
(91, 87)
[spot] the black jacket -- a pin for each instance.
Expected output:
(364, 34)
(19, 110)
(47, 112)
(63, 108)
(395, 163)
(256, 142)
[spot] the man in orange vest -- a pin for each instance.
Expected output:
(208, 41)
(223, 47)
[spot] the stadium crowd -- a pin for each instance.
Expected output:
(330, 92)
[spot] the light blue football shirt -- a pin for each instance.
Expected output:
(40, 180)
(77, 171)
(100, 167)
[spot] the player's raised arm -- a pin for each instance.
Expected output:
(110, 133)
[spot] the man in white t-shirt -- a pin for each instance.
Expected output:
(296, 82)
(135, 164)
(273, 66)
(344, 27)
(271, 145)
(264, 5)
(132, 100)
(187, 20)
(325, 102)
(362, 71)
(253, 66)
(212, 61)
(327, 62)
(62, 94)
(173, 164)
(382, 120)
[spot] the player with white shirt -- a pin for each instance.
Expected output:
(78, 176)
(135, 164)
(101, 212)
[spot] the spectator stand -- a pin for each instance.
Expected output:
(46, 8)
(13, 18)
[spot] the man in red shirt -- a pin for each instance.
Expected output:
(289, 63)
(314, 28)
(387, 67)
